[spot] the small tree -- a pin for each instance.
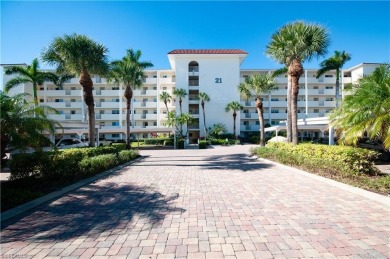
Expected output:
(217, 130)
(165, 98)
(255, 86)
(234, 106)
(203, 97)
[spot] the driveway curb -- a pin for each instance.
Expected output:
(51, 196)
(367, 194)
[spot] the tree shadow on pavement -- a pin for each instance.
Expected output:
(90, 211)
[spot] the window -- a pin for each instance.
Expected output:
(315, 87)
(115, 100)
(73, 100)
(73, 88)
(115, 123)
(316, 111)
(72, 112)
(315, 99)
(329, 99)
(41, 100)
(115, 111)
(115, 135)
(328, 87)
(274, 111)
(41, 88)
(257, 123)
(115, 88)
(155, 100)
(154, 111)
(328, 75)
(275, 99)
(98, 79)
(59, 100)
(154, 76)
(164, 76)
(164, 88)
(154, 123)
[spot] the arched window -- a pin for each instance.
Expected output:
(193, 66)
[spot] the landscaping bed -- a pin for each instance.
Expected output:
(353, 166)
(37, 174)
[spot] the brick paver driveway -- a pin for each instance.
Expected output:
(215, 203)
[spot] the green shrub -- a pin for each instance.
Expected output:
(202, 144)
(121, 146)
(168, 142)
(97, 164)
(341, 160)
(62, 164)
(156, 141)
(127, 155)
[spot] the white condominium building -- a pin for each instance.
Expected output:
(213, 71)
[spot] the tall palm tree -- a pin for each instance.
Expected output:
(234, 106)
(365, 109)
(292, 45)
(253, 87)
(30, 74)
(180, 93)
(166, 98)
(78, 54)
(129, 72)
(203, 97)
(23, 123)
(335, 62)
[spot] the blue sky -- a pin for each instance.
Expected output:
(360, 28)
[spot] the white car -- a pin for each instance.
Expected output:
(70, 143)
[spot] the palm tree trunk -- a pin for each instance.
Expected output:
(128, 96)
(259, 107)
(295, 70)
(288, 124)
(181, 125)
(204, 121)
(35, 94)
(294, 110)
(337, 88)
(87, 84)
(234, 123)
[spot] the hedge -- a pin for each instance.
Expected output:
(69, 163)
(202, 144)
(156, 141)
(341, 160)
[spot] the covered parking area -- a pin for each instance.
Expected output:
(310, 125)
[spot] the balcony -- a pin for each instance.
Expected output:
(106, 93)
(145, 116)
(196, 126)
(107, 116)
(150, 80)
(168, 80)
(249, 127)
(145, 92)
(193, 82)
(54, 93)
(145, 105)
(107, 105)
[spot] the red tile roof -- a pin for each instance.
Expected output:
(207, 51)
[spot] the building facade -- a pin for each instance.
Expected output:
(215, 72)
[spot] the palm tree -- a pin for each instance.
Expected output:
(23, 123)
(335, 62)
(78, 54)
(365, 109)
(60, 80)
(255, 86)
(180, 92)
(293, 44)
(203, 97)
(30, 74)
(234, 106)
(129, 72)
(166, 98)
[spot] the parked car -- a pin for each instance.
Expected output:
(104, 142)
(70, 143)
(376, 145)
